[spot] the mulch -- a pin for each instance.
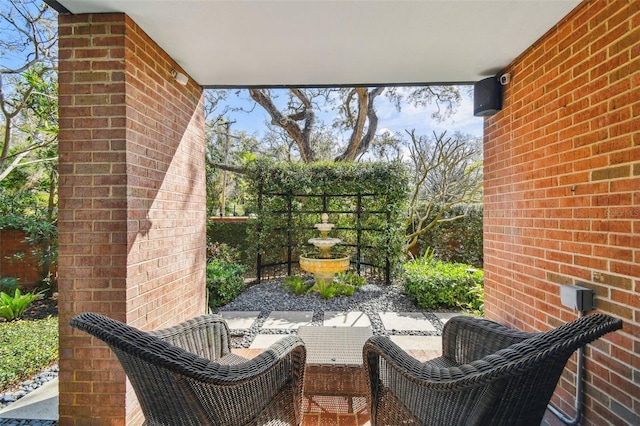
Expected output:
(42, 308)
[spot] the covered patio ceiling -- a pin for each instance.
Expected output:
(237, 43)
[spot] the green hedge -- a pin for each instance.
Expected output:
(234, 234)
(309, 189)
(434, 284)
(458, 241)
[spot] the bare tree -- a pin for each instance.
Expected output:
(447, 171)
(28, 84)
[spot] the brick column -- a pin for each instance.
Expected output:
(132, 217)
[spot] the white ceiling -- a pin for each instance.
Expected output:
(338, 42)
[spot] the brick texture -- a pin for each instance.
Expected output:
(562, 195)
(132, 203)
(25, 266)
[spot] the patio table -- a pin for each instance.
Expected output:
(334, 360)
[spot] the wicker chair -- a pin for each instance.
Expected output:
(186, 375)
(488, 374)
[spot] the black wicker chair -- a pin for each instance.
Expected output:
(488, 374)
(186, 375)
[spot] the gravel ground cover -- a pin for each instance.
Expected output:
(371, 299)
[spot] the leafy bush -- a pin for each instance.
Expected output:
(343, 289)
(8, 284)
(12, 307)
(350, 278)
(459, 240)
(26, 348)
(233, 234)
(296, 285)
(434, 284)
(225, 280)
(222, 252)
(344, 284)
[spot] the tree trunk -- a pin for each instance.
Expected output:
(289, 123)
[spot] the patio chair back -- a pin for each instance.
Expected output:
(186, 375)
(511, 386)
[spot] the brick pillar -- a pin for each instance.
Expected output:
(132, 217)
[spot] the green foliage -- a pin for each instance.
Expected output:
(344, 284)
(343, 289)
(326, 290)
(433, 284)
(233, 234)
(26, 348)
(351, 278)
(12, 307)
(296, 285)
(8, 284)
(459, 240)
(225, 279)
(26, 211)
(307, 190)
(476, 305)
(222, 252)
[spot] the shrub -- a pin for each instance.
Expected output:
(26, 348)
(350, 278)
(343, 289)
(434, 284)
(225, 276)
(457, 241)
(8, 284)
(296, 285)
(225, 282)
(233, 234)
(12, 307)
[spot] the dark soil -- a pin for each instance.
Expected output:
(42, 308)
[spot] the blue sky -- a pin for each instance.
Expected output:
(389, 118)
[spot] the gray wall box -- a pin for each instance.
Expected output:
(577, 297)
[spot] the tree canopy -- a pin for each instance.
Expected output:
(297, 128)
(28, 87)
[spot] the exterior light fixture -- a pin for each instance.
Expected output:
(179, 77)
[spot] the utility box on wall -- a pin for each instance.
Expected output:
(577, 297)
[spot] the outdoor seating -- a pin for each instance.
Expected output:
(186, 374)
(487, 375)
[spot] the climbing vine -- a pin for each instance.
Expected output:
(366, 202)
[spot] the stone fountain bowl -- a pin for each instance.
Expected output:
(325, 267)
(324, 242)
(324, 227)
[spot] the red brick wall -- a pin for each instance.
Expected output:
(26, 269)
(132, 216)
(562, 195)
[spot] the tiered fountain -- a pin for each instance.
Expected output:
(324, 267)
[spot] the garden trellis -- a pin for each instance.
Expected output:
(366, 202)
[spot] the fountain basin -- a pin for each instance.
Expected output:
(324, 242)
(324, 268)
